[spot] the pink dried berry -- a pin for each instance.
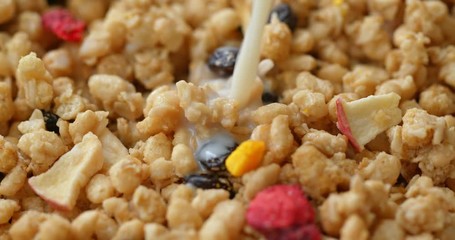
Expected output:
(62, 23)
(282, 212)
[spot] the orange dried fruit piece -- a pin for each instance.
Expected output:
(246, 157)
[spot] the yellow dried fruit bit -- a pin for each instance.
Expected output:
(246, 157)
(337, 2)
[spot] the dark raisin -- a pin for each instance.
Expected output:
(212, 154)
(56, 2)
(285, 14)
(51, 121)
(268, 97)
(222, 61)
(210, 181)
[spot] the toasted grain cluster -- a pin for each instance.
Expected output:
(139, 88)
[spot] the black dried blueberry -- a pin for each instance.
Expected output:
(268, 97)
(222, 61)
(285, 14)
(212, 154)
(210, 181)
(51, 121)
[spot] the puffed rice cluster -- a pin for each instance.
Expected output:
(131, 96)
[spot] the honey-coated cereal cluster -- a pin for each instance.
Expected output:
(117, 120)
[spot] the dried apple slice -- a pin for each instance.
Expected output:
(61, 184)
(362, 120)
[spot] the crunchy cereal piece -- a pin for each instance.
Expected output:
(33, 203)
(302, 41)
(383, 167)
(126, 175)
(437, 100)
(372, 38)
(192, 100)
(298, 63)
(318, 175)
(43, 147)
(206, 200)
(161, 170)
(62, 85)
(405, 87)
(116, 95)
(7, 209)
(153, 68)
(387, 9)
(330, 52)
(8, 155)
(133, 229)
(34, 123)
(68, 105)
(27, 226)
(225, 111)
(347, 97)
(30, 23)
(88, 10)
(19, 45)
(58, 62)
(115, 64)
(183, 160)
(118, 208)
(259, 179)
(157, 146)
(276, 42)
(106, 227)
(180, 214)
(35, 82)
(54, 227)
(354, 228)
(308, 81)
(226, 221)
(437, 162)
(326, 143)
(278, 138)
(311, 104)
(154, 231)
(367, 200)
(265, 114)
(7, 10)
(99, 188)
(421, 214)
(421, 128)
(6, 102)
(388, 229)
(363, 80)
(84, 225)
(148, 205)
(182, 191)
(199, 11)
(13, 181)
(161, 104)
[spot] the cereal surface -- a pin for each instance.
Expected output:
(117, 122)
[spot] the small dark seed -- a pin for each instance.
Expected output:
(51, 121)
(285, 14)
(210, 181)
(222, 61)
(268, 97)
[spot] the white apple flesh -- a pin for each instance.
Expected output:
(362, 120)
(60, 185)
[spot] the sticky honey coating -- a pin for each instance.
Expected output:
(139, 85)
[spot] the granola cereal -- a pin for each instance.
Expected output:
(198, 119)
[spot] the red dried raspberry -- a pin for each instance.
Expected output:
(282, 212)
(63, 25)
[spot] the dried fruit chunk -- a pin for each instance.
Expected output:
(60, 185)
(362, 120)
(282, 212)
(246, 157)
(210, 181)
(62, 23)
(285, 14)
(212, 154)
(222, 61)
